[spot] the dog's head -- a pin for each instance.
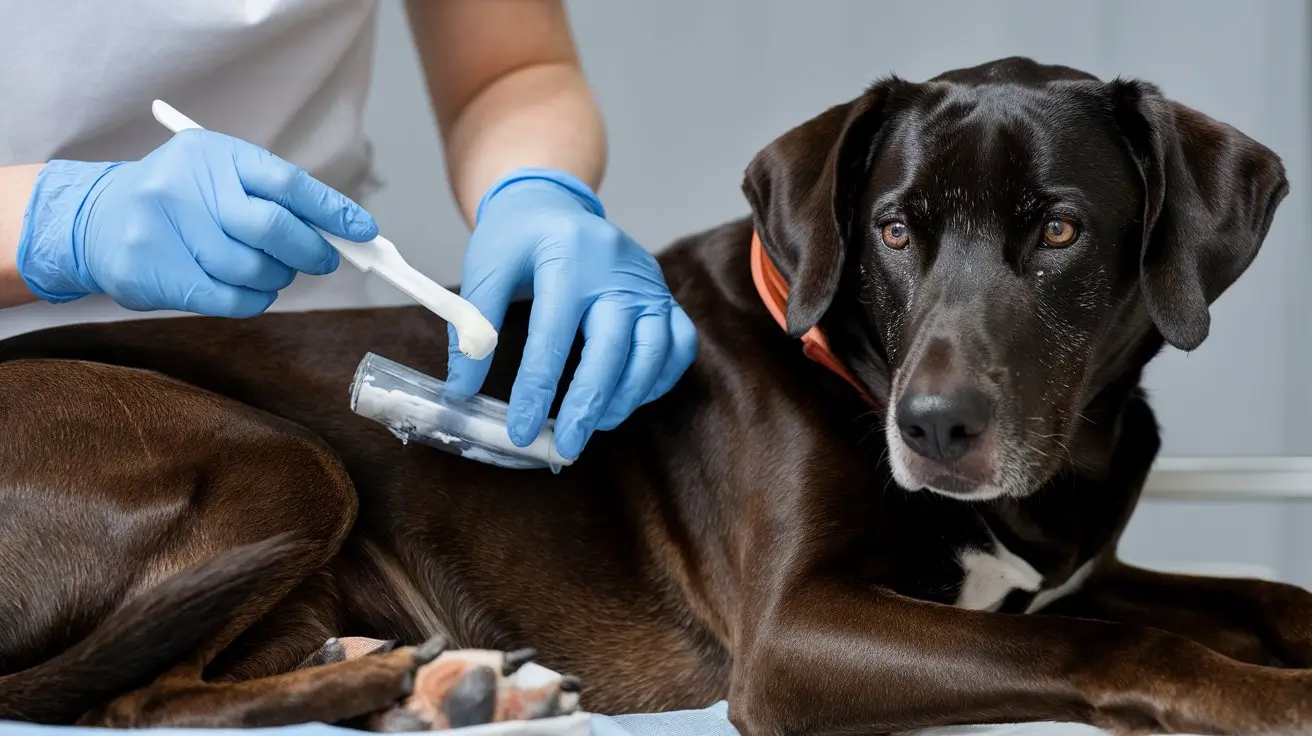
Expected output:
(992, 248)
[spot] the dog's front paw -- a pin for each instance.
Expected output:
(339, 650)
(470, 687)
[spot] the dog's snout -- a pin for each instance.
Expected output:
(944, 426)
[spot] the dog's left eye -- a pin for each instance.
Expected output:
(1059, 233)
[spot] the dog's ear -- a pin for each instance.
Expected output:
(802, 190)
(1210, 193)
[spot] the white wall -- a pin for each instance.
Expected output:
(693, 88)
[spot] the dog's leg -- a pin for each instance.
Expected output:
(409, 689)
(1254, 621)
(168, 479)
(115, 480)
(834, 657)
(330, 693)
(300, 631)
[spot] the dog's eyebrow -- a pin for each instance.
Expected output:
(1075, 197)
(1041, 200)
(889, 202)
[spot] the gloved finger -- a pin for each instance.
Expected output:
(647, 356)
(552, 325)
(267, 176)
(216, 299)
(270, 228)
(236, 264)
(490, 293)
(683, 350)
(608, 330)
(251, 269)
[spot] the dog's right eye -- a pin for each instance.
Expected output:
(896, 235)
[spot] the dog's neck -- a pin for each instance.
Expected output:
(773, 289)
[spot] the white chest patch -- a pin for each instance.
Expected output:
(991, 576)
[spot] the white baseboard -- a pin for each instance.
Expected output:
(1230, 478)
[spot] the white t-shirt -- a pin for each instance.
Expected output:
(77, 79)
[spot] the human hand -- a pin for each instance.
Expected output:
(205, 223)
(546, 229)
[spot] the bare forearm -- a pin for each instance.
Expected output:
(508, 92)
(16, 184)
(539, 116)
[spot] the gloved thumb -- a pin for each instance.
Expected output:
(490, 294)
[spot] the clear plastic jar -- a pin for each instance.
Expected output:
(414, 407)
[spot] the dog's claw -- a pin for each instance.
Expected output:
(430, 650)
(516, 659)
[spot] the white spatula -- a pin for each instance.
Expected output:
(476, 336)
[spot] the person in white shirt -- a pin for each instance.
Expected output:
(100, 221)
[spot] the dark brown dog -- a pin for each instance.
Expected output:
(995, 254)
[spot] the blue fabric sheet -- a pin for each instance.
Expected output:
(711, 721)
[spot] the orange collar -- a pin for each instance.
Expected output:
(774, 292)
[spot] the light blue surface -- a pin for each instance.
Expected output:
(712, 721)
(309, 729)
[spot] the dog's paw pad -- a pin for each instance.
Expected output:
(346, 648)
(558, 697)
(471, 687)
(449, 693)
(363, 646)
(472, 701)
(331, 651)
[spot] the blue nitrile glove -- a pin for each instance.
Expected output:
(545, 229)
(205, 223)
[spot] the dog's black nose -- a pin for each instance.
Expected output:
(943, 426)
